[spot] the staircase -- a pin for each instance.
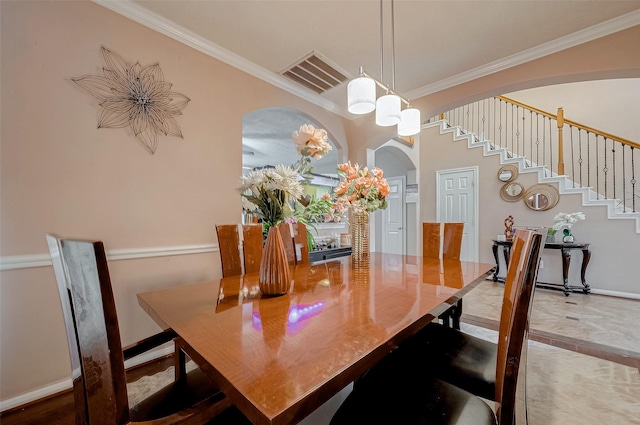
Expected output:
(471, 123)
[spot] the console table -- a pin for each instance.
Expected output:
(565, 251)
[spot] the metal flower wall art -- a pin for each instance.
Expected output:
(135, 96)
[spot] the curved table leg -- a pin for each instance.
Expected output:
(566, 261)
(507, 255)
(586, 256)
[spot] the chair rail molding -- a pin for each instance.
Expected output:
(12, 262)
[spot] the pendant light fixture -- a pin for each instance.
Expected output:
(361, 93)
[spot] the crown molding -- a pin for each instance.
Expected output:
(603, 29)
(164, 26)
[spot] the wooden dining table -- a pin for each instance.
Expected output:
(280, 358)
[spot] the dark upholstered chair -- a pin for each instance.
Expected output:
(403, 387)
(97, 356)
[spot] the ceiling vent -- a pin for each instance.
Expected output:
(315, 73)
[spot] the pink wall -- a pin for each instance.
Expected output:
(60, 174)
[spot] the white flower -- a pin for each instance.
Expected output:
(253, 180)
(286, 179)
(564, 220)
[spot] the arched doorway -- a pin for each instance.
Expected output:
(398, 224)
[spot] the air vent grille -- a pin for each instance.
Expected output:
(315, 73)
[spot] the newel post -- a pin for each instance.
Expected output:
(560, 144)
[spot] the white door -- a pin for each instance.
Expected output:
(458, 202)
(393, 228)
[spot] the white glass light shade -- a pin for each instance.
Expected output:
(361, 95)
(409, 124)
(388, 110)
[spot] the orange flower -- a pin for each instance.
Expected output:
(362, 189)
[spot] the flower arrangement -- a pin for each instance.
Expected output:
(269, 192)
(273, 192)
(361, 189)
(564, 221)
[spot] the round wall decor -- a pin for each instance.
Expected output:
(541, 197)
(508, 173)
(512, 191)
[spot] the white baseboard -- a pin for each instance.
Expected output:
(618, 294)
(35, 394)
(67, 383)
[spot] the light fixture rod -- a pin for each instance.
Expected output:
(381, 44)
(393, 47)
(383, 86)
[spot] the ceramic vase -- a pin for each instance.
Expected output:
(360, 240)
(275, 276)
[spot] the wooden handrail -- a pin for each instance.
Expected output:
(560, 143)
(572, 123)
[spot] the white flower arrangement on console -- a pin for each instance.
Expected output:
(565, 221)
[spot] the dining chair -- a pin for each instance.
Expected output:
(238, 258)
(452, 240)
(300, 242)
(451, 247)
(294, 237)
(431, 239)
(444, 240)
(97, 356)
(252, 247)
(468, 361)
(408, 387)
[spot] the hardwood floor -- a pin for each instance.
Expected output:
(58, 409)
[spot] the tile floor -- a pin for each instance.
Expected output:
(583, 359)
(597, 325)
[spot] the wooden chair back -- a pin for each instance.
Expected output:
(447, 236)
(300, 243)
(294, 237)
(514, 321)
(229, 246)
(287, 240)
(431, 240)
(93, 335)
(239, 258)
(252, 247)
(452, 240)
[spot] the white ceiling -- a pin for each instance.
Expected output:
(438, 44)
